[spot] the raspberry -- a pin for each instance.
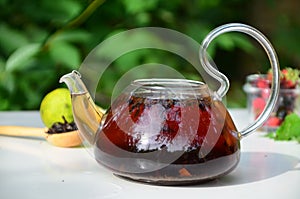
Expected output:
(287, 84)
(258, 105)
(273, 122)
(289, 78)
(262, 83)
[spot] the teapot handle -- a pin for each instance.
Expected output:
(211, 70)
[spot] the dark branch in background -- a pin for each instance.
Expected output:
(90, 9)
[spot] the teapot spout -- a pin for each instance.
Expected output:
(86, 114)
(74, 82)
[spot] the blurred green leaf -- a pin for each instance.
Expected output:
(55, 11)
(243, 42)
(18, 59)
(65, 53)
(2, 64)
(129, 60)
(8, 81)
(226, 42)
(209, 3)
(67, 39)
(4, 104)
(73, 36)
(3, 2)
(135, 6)
(11, 39)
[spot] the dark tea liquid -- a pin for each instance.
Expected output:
(168, 141)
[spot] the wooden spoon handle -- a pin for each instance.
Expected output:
(22, 131)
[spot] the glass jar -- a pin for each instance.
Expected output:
(257, 95)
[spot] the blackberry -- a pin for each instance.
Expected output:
(59, 127)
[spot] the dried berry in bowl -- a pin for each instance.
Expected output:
(59, 127)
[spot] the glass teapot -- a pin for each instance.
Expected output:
(168, 131)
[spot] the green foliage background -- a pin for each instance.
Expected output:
(42, 40)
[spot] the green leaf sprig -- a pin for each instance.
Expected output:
(289, 129)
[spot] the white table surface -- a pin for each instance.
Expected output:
(32, 168)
